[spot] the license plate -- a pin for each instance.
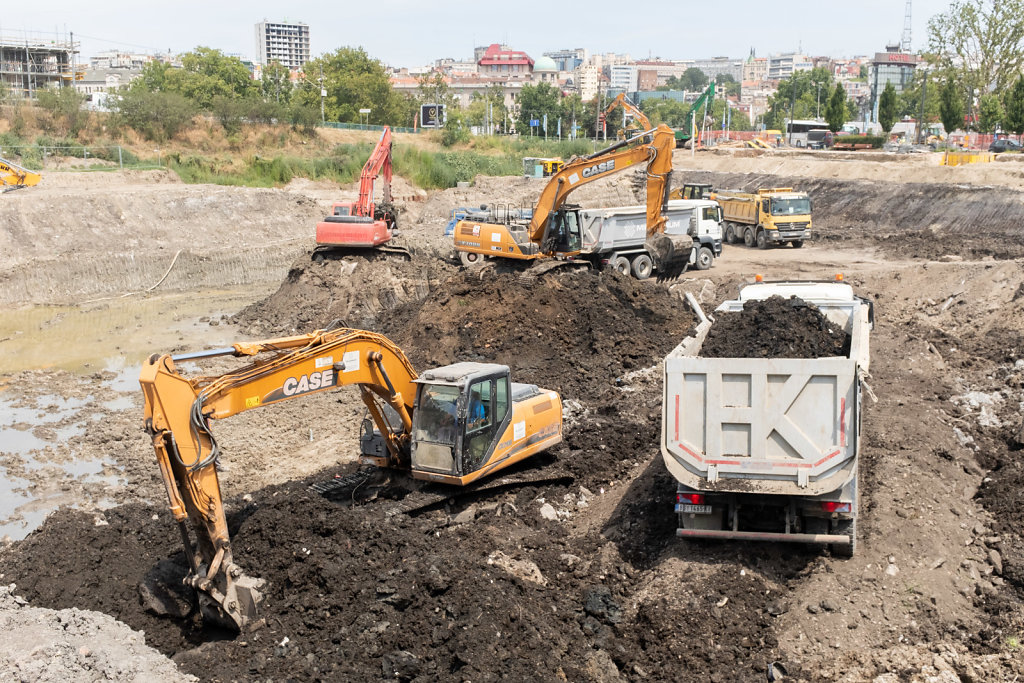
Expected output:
(696, 509)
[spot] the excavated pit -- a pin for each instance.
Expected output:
(595, 586)
(775, 328)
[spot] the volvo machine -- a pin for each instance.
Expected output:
(453, 425)
(363, 224)
(553, 231)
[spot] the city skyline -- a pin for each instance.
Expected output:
(421, 34)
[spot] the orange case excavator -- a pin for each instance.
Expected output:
(454, 425)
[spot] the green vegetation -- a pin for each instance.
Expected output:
(426, 169)
(812, 90)
(875, 141)
(887, 108)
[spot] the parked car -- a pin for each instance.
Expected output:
(1004, 145)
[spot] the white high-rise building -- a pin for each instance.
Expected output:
(287, 43)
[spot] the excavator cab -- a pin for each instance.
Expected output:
(563, 235)
(470, 419)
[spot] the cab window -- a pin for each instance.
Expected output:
(481, 413)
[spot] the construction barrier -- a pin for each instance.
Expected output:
(962, 157)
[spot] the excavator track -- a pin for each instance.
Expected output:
(371, 484)
(541, 267)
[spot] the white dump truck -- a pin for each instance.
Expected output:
(615, 236)
(767, 448)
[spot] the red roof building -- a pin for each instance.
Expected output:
(504, 63)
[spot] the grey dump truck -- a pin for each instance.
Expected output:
(767, 448)
(615, 237)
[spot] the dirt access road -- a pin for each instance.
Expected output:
(602, 591)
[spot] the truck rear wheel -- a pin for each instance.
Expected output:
(643, 266)
(797, 243)
(761, 239)
(705, 258)
(621, 264)
(730, 234)
(748, 237)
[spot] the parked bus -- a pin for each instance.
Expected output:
(797, 130)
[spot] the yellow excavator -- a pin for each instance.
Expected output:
(554, 229)
(14, 177)
(632, 110)
(454, 425)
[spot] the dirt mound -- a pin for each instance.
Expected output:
(354, 596)
(775, 328)
(920, 220)
(354, 289)
(54, 646)
(575, 333)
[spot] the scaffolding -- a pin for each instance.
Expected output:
(30, 62)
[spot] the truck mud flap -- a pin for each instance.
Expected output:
(823, 539)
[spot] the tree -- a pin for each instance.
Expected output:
(951, 106)
(353, 81)
(536, 101)
(275, 83)
(836, 108)
(887, 108)
(990, 113)
(732, 86)
(1014, 107)
(694, 79)
(807, 86)
(490, 103)
(157, 116)
(64, 105)
(979, 44)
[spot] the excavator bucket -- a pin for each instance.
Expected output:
(671, 254)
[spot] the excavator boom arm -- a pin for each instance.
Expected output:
(578, 172)
(631, 109)
(177, 411)
(13, 176)
(379, 163)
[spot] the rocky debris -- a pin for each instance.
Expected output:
(54, 646)
(775, 328)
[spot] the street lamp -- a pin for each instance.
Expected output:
(817, 108)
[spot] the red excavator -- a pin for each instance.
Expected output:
(362, 224)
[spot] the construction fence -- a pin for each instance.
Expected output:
(79, 157)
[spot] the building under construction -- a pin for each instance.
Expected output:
(30, 62)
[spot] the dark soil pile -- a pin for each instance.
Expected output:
(775, 328)
(354, 289)
(353, 595)
(576, 333)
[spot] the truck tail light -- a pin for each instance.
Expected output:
(692, 498)
(829, 506)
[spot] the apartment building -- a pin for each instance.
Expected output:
(282, 42)
(30, 61)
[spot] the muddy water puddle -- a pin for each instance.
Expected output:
(89, 358)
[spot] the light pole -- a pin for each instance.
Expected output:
(817, 106)
(323, 94)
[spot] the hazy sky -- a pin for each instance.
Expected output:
(401, 33)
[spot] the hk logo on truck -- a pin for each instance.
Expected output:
(602, 167)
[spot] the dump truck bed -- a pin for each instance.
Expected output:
(779, 426)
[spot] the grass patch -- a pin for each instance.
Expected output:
(428, 169)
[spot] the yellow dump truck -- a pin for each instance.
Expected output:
(767, 217)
